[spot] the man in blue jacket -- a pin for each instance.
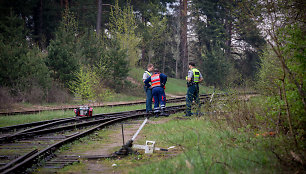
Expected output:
(158, 81)
(147, 90)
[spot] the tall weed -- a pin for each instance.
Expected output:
(207, 149)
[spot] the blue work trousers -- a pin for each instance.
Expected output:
(192, 93)
(148, 92)
(159, 98)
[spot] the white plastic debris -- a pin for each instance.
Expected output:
(171, 147)
(150, 145)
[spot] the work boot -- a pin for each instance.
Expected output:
(188, 114)
(156, 113)
(164, 114)
(149, 113)
(198, 114)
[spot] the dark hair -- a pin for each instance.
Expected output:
(150, 65)
(191, 63)
(156, 70)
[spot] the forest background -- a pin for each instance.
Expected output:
(51, 50)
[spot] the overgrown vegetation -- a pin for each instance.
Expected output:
(205, 148)
(45, 57)
(234, 135)
(259, 116)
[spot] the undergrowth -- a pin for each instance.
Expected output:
(207, 149)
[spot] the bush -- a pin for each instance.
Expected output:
(5, 98)
(58, 94)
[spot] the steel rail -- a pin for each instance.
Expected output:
(47, 123)
(97, 105)
(112, 118)
(30, 134)
(47, 151)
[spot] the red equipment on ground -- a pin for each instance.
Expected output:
(83, 111)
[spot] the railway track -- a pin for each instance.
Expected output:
(27, 145)
(171, 100)
(41, 124)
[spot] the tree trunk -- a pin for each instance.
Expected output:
(164, 57)
(183, 35)
(279, 122)
(40, 24)
(66, 4)
(285, 68)
(177, 60)
(99, 17)
(143, 47)
(228, 23)
(177, 48)
(292, 132)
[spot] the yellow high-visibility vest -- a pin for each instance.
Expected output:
(196, 75)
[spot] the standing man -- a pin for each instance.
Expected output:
(158, 81)
(193, 79)
(147, 90)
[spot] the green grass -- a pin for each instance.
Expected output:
(28, 118)
(49, 115)
(204, 149)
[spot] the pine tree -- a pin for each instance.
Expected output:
(64, 53)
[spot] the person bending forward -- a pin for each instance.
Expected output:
(158, 81)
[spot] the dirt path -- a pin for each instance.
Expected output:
(115, 143)
(110, 147)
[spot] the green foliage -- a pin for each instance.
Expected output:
(270, 73)
(113, 66)
(88, 86)
(157, 43)
(64, 52)
(84, 84)
(216, 68)
(21, 67)
(294, 51)
(122, 28)
(229, 40)
(36, 81)
(295, 55)
(13, 50)
(275, 82)
(92, 47)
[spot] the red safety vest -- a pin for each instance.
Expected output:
(155, 79)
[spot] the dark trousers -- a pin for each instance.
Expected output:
(192, 93)
(159, 98)
(148, 92)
